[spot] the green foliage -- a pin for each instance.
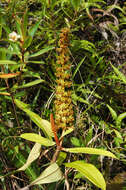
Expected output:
(50, 174)
(43, 124)
(27, 92)
(8, 62)
(37, 138)
(113, 113)
(90, 172)
(34, 154)
(42, 51)
(90, 151)
(119, 74)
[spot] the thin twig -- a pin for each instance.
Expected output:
(66, 180)
(56, 154)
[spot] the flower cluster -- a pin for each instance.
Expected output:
(63, 103)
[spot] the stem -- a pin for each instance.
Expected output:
(54, 130)
(58, 143)
(12, 97)
(56, 154)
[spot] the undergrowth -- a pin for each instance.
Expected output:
(62, 94)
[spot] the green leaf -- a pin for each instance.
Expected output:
(112, 111)
(20, 160)
(25, 24)
(90, 172)
(68, 131)
(119, 119)
(120, 75)
(86, 150)
(45, 50)
(34, 154)
(32, 30)
(31, 74)
(7, 29)
(35, 82)
(76, 4)
(4, 25)
(15, 48)
(42, 123)
(118, 134)
(49, 175)
(87, 91)
(62, 156)
(78, 98)
(77, 68)
(37, 138)
(18, 26)
(84, 44)
(78, 176)
(35, 62)
(3, 62)
(87, 45)
(75, 141)
(0, 31)
(27, 42)
(11, 52)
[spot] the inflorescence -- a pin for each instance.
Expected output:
(63, 102)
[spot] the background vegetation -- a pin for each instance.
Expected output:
(27, 73)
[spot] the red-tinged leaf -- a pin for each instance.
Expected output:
(5, 93)
(9, 75)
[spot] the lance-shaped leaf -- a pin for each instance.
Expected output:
(9, 52)
(41, 123)
(49, 175)
(112, 111)
(25, 24)
(34, 154)
(18, 26)
(77, 67)
(68, 131)
(27, 42)
(78, 98)
(9, 75)
(119, 119)
(5, 93)
(76, 4)
(33, 29)
(37, 138)
(118, 135)
(90, 172)
(35, 82)
(45, 50)
(4, 62)
(87, 150)
(120, 75)
(84, 44)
